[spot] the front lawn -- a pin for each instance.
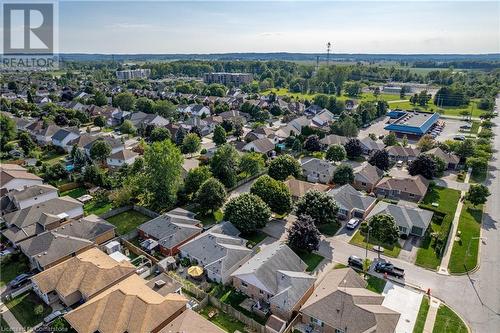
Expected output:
(429, 255)
(11, 267)
(376, 284)
(311, 259)
(470, 227)
(75, 193)
(329, 229)
(447, 321)
(127, 221)
(254, 238)
(422, 315)
(24, 308)
(389, 250)
(224, 321)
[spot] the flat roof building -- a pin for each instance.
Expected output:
(235, 79)
(413, 124)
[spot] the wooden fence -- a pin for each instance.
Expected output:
(226, 308)
(68, 186)
(135, 250)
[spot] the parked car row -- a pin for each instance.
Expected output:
(383, 266)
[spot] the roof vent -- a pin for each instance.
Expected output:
(160, 283)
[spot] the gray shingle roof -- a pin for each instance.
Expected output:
(367, 173)
(403, 215)
(348, 198)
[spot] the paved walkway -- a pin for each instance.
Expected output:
(10, 319)
(431, 315)
(443, 269)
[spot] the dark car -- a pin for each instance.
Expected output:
(390, 269)
(20, 280)
(355, 262)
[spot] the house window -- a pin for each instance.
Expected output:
(363, 183)
(261, 292)
(244, 284)
(412, 195)
(402, 229)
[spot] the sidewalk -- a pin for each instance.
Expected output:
(443, 269)
(431, 315)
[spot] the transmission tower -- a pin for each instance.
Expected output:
(328, 49)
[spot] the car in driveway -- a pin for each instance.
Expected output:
(20, 280)
(355, 262)
(390, 269)
(352, 224)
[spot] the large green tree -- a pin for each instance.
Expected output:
(7, 130)
(124, 101)
(318, 205)
(336, 153)
(211, 195)
(343, 174)
(383, 229)
(100, 150)
(478, 194)
(252, 163)
(274, 193)
(195, 177)
(191, 143)
(284, 166)
(247, 212)
(219, 135)
(224, 164)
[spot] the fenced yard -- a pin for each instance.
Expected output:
(127, 221)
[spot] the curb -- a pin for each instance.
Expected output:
(458, 315)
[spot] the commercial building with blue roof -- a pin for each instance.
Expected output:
(413, 124)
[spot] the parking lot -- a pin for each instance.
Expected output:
(377, 128)
(451, 129)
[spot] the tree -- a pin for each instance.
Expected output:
(144, 104)
(346, 127)
(383, 229)
(128, 128)
(7, 130)
(252, 163)
(191, 144)
(465, 149)
(343, 174)
(99, 121)
(179, 135)
(159, 134)
(219, 135)
(423, 165)
(312, 143)
(478, 194)
(284, 166)
(426, 143)
(26, 143)
(353, 148)
(336, 153)
(79, 158)
(124, 101)
(318, 205)
(224, 165)
(380, 159)
(390, 140)
(56, 171)
(211, 195)
(100, 150)
(94, 175)
(304, 235)
(162, 174)
(100, 99)
(404, 142)
(195, 177)
(238, 130)
(274, 193)
(247, 212)
(479, 165)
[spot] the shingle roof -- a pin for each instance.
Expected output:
(190, 322)
(403, 215)
(262, 145)
(32, 191)
(317, 165)
(416, 184)
(367, 173)
(8, 173)
(334, 139)
(123, 155)
(446, 157)
(291, 288)
(348, 198)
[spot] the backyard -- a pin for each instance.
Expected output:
(224, 321)
(428, 255)
(127, 221)
(422, 315)
(389, 250)
(12, 267)
(210, 219)
(469, 226)
(311, 259)
(447, 321)
(75, 193)
(234, 298)
(97, 206)
(28, 309)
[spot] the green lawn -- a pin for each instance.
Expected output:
(52, 157)
(127, 221)
(224, 321)
(430, 107)
(97, 207)
(389, 250)
(375, 284)
(254, 238)
(22, 307)
(75, 193)
(475, 127)
(311, 259)
(212, 218)
(339, 266)
(11, 267)
(422, 315)
(427, 256)
(4, 327)
(329, 229)
(470, 226)
(234, 298)
(447, 321)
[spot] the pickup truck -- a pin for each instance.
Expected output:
(390, 269)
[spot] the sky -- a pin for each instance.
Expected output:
(404, 27)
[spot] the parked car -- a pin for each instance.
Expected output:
(6, 252)
(459, 137)
(54, 315)
(387, 267)
(399, 164)
(355, 262)
(352, 224)
(20, 280)
(466, 126)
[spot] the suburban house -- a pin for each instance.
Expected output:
(27, 197)
(130, 306)
(235, 116)
(412, 188)
(341, 303)
(197, 110)
(405, 154)
(299, 187)
(261, 133)
(218, 253)
(366, 176)
(317, 170)
(64, 136)
(333, 139)
(121, 157)
(323, 119)
(189, 164)
(451, 160)
(263, 146)
(15, 177)
(369, 146)
(313, 110)
(142, 120)
(294, 127)
(171, 230)
(115, 144)
(351, 203)
(80, 278)
(410, 220)
(275, 277)
(190, 321)
(43, 134)
(32, 220)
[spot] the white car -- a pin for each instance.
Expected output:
(353, 223)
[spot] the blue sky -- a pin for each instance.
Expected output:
(285, 26)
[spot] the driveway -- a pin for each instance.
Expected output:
(405, 301)
(453, 184)
(409, 249)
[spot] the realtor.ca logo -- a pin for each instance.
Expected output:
(29, 35)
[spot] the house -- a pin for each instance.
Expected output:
(15, 177)
(235, 116)
(142, 120)
(405, 154)
(171, 230)
(293, 128)
(115, 144)
(205, 126)
(218, 253)
(341, 303)
(263, 146)
(369, 146)
(190, 321)
(261, 133)
(299, 187)
(128, 306)
(43, 134)
(333, 139)
(409, 220)
(27, 197)
(351, 203)
(366, 176)
(189, 164)
(80, 278)
(121, 157)
(313, 110)
(84, 141)
(323, 119)
(35, 219)
(451, 160)
(197, 110)
(409, 189)
(64, 136)
(275, 276)
(317, 170)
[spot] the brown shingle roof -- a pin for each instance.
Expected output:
(191, 322)
(299, 187)
(416, 184)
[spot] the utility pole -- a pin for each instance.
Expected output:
(328, 49)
